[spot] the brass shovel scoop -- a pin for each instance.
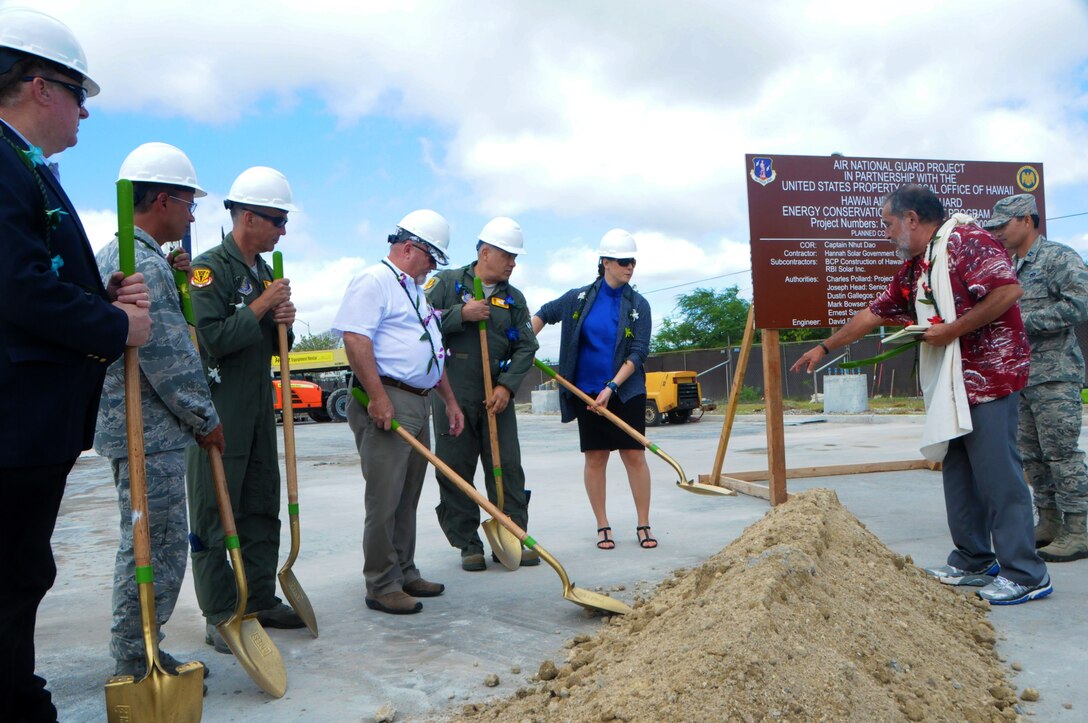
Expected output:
(160, 696)
(580, 596)
(688, 485)
(245, 637)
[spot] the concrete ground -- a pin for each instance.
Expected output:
(496, 622)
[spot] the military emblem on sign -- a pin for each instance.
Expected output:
(1027, 178)
(762, 170)
(201, 278)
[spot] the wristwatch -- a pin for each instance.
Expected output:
(613, 386)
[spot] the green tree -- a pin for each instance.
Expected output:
(706, 319)
(317, 342)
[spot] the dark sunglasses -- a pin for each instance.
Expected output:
(625, 262)
(77, 90)
(277, 221)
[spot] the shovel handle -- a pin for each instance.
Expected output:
(222, 497)
(492, 428)
(472, 492)
(286, 402)
(600, 410)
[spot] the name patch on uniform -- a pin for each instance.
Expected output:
(496, 301)
(430, 283)
(201, 278)
(246, 288)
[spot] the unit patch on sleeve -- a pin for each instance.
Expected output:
(201, 278)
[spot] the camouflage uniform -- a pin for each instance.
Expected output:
(511, 345)
(1055, 300)
(176, 405)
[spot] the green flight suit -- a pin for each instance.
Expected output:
(236, 350)
(511, 346)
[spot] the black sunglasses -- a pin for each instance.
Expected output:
(625, 262)
(422, 247)
(277, 221)
(77, 90)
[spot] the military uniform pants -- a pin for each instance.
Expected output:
(394, 474)
(986, 497)
(167, 528)
(458, 515)
(26, 557)
(253, 480)
(1049, 439)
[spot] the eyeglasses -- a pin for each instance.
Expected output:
(78, 91)
(277, 221)
(424, 249)
(190, 204)
(625, 262)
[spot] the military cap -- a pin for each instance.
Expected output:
(1010, 207)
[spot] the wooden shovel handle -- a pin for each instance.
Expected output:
(222, 494)
(288, 418)
(137, 473)
(590, 400)
(472, 492)
(492, 429)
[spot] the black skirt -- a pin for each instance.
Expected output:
(596, 432)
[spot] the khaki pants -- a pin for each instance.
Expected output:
(394, 475)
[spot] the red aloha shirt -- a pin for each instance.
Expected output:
(996, 357)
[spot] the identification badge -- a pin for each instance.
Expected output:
(201, 278)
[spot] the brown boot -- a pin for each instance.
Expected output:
(1071, 544)
(397, 602)
(1049, 527)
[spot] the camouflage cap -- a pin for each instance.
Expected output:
(1010, 207)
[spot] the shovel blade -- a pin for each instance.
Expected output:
(295, 595)
(595, 601)
(505, 545)
(256, 653)
(158, 698)
(699, 488)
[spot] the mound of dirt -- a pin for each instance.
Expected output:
(806, 616)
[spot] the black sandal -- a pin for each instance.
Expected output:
(607, 543)
(648, 542)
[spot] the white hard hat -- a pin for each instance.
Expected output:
(432, 229)
(618, 244)
(504, 233)
(34, 33)
(160, 163)
(261, 186)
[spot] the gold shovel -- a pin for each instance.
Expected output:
(245, 637)
(580, 596)
(160, 696)
(497, 535)
(292, 590)
(688, 485)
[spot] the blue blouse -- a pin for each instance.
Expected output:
(597, 341)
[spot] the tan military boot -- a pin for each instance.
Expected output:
(1071, 544)
(1049, 527)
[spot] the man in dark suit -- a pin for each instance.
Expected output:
(59, 329)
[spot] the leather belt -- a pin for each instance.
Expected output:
(397, 384)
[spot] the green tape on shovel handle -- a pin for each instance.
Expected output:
(478, 290)
(126, 228)
(181, 280)
(277, 264)
(544, 368)
(653, 448)
(232, 542)
(292, 508)
(144, 574)
(529, 542)
(362, 398)
(497, 472)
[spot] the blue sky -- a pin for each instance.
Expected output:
(573, 118)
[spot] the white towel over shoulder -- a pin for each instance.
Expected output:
(940, 369)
